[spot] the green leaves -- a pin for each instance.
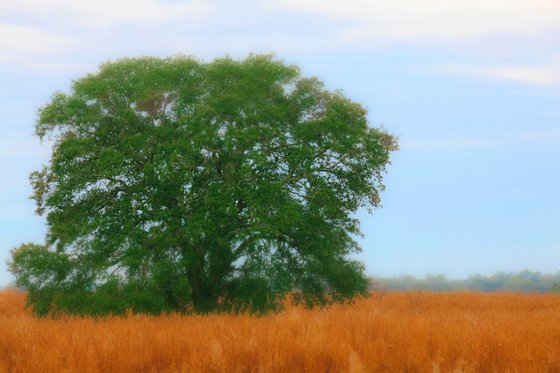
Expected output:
(206, 186)
(36, 267)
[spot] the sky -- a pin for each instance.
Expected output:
(471, 88)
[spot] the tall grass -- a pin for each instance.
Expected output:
(396, 332)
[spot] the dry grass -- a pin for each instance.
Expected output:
(397, 332)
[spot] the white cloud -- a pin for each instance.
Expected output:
(25, 46)
(18, 38)
(546, 136)
(101, 14)
(456, 143)
(42, 33)
(24, 151)
(544, 74)
(23, 145)
(524, 138)
(448, 20)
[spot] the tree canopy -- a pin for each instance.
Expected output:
(176, 184)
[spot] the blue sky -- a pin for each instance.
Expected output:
(472, 88)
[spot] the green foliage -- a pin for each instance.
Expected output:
(181, 185)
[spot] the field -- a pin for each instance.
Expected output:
(393, 332)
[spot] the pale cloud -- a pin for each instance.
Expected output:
(18, 38)
(428, 20)
(17, 211)
(20, 153)
(542, 136)
(101, 14)
(48, 35)
(523, 138)
(22, 45)
(543, 74)
(456, 143)
(23, 145)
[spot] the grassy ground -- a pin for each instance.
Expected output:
(392, 332)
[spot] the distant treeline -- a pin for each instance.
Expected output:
(524, 281)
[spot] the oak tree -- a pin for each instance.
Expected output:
(176, 184)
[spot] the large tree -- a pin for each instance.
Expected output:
(181, 185)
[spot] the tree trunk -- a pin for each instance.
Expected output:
(203, 299)
(206, 286)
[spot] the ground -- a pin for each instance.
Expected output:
(386, 332)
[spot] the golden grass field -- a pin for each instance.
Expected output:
(397, 332)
